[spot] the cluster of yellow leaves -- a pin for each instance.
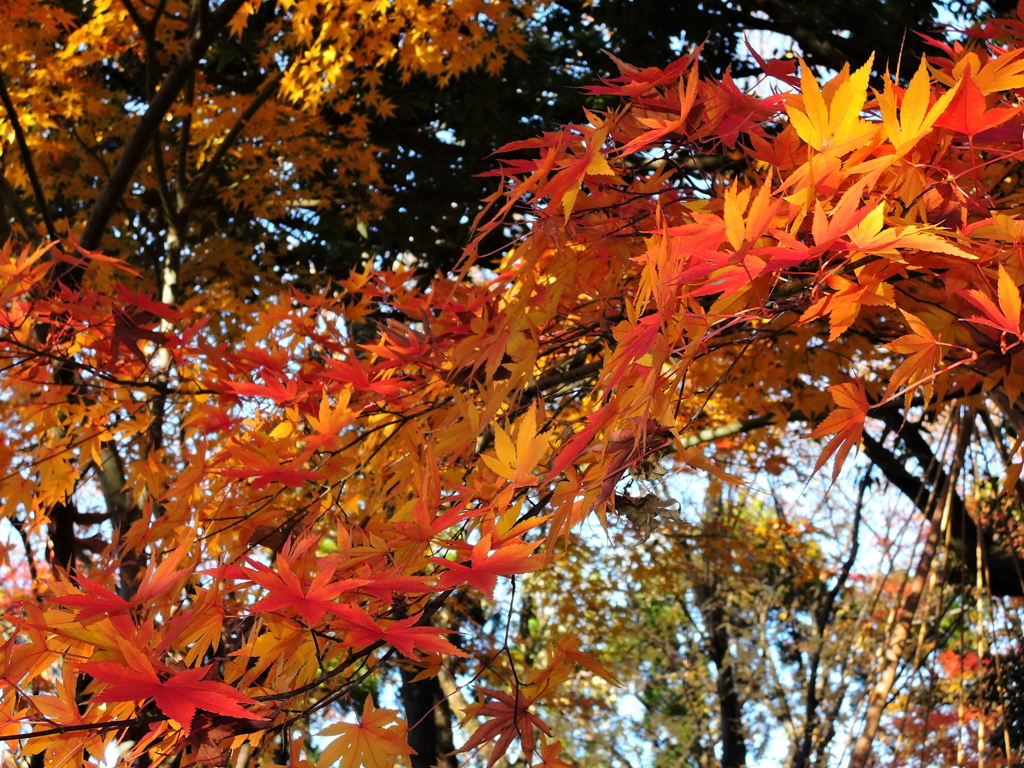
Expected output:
(277, 118)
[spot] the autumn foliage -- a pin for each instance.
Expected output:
(239, 500)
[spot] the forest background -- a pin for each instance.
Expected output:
(332, 437)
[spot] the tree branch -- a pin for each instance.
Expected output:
(822, 616)
(134, 150)
(734, 748)
(26, 158)
(1005, 567)
(430, 721)
(726, 430)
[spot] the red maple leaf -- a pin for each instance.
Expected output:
(129, 330)
(405, 635)
(148, 304)
(485, 567)
(274, 389)
(578, 443)
(96, 600)
(352, 372)
(261, 465)
(511, 718)
(967, 113)
(286, 591)
(178, 696)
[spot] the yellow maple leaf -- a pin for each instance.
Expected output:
(1004, 72)
(374, 742)
(515, 461)
(915, 116)
(836, 124)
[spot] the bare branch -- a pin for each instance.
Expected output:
(938, 504)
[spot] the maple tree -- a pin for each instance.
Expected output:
(431, 175)
(237, 506)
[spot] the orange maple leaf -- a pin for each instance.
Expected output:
(1005, 317)
(849, 297)
(924, 355)
(549, 754)
(846, 423)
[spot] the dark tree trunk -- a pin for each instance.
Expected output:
(430, 722)
(730, 707)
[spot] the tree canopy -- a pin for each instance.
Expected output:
(273, 499)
